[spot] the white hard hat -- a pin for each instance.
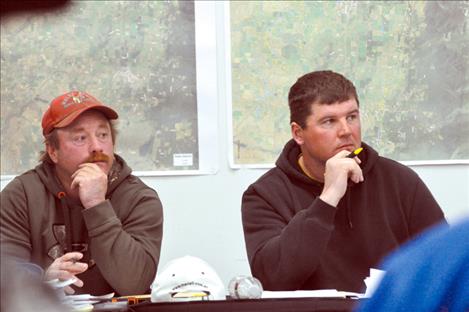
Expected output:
(187, 279)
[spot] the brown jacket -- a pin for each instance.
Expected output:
(121, 237)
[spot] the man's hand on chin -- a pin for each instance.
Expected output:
(339, 169)
(91, 182)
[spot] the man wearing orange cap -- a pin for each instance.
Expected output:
(80, 213)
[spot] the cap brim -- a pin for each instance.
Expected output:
(108, 112)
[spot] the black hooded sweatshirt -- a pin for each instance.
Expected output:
(295, 241)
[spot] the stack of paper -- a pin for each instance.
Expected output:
(83, 302)
(320, 293)
(373, 281)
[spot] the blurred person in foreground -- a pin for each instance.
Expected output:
(430, 273)
(81, 213)
(323, 217)
(22, 289)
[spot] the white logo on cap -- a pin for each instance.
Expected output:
(75, 99)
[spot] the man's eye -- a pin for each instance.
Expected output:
(103, 135)
(79, 139)
(352, 117)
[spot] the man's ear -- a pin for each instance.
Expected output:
(52, 151)
(297, 133)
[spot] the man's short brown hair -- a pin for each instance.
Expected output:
(322, 87)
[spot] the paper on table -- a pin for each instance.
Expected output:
(90, 297)
(371, 284)
(373, 281)
(77, 302)
(320, 293)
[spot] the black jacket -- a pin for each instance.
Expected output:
(295, 241)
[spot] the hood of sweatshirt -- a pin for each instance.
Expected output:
(72, 209)
(288, 163)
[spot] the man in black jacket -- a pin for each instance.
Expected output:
(322, 217)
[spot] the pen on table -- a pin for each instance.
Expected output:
(355, 152)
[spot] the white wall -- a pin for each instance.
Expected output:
(202, 213)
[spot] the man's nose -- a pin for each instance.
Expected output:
(95, 145)
(344, 128)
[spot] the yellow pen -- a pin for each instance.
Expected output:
(355, 152)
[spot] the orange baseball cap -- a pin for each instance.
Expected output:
(64, 109)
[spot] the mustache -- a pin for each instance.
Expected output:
(97, 156)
